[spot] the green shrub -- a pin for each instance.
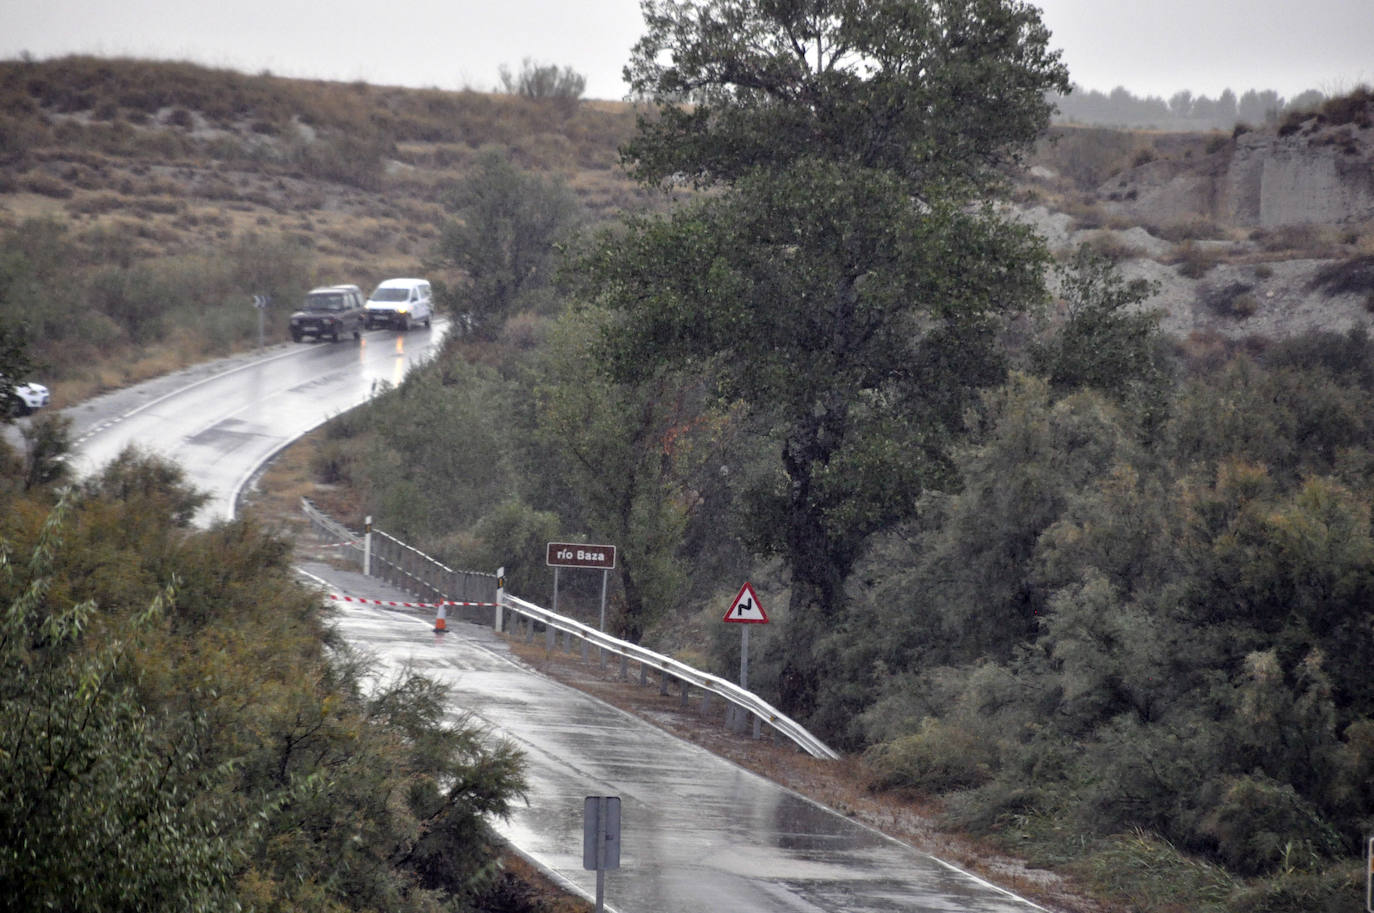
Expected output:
(331, 463)
(1149, 873)
(536, 80)
(939, 758)
(1260, 825)
(1328, 891)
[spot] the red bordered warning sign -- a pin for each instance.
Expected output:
(746, 609)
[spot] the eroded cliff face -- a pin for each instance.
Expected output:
(1325, 176)
(1317, 174)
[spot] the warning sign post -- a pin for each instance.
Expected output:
(746, 610)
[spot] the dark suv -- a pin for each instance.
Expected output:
(330, 312)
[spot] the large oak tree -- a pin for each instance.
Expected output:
(843, 271)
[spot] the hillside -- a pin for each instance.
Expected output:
(1264, 233)
(1138, 615)
(165, 166)
(220, 186)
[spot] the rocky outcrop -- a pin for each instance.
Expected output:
(1316, 174)
(1240, 294)
(1325, 176)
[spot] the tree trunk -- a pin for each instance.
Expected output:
(819, 564)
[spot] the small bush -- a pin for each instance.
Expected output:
(330, 463)
(1353, 108)
(939, 758)
(537, 80)
(46, 185)
(1149, 873)
(1347, 277)
(1112, 247)
(1291, 124)
(1234, 300)
(1192, 230)
(1244, 305)
(1194, 262)
(94, 204)
(1260, 825)
(1328, 891)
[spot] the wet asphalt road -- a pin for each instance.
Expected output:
(699, 834)
(223, 420)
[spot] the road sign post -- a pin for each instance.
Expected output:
(746, 610)
(583, 555)
(260, 302)
(601, 840)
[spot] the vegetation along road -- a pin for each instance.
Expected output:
(1060, 505)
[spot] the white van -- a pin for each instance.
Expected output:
(400, 303)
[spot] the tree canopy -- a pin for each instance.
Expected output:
(846, 277)
(501, 236)
(928, 92)
(179, 731)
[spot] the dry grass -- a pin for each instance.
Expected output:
(145, 162)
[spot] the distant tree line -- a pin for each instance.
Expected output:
(1183, 110)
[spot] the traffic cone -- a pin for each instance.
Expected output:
(440, 626)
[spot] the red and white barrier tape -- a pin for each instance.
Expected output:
(341, 545)
(407, 605)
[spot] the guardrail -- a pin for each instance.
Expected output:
(383, 556)
(666, 666)
(420, 575)
(387, 558)
(331, 530)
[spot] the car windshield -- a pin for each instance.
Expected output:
(391, 294)
(325, 303)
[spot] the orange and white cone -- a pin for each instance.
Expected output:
(440, 625)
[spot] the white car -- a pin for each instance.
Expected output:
(25, 398)
(400, 303)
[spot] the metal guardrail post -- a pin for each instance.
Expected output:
(367, 547)
(500, 595)
(741, 705)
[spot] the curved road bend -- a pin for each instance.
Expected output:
(223, 420)
(699, 834)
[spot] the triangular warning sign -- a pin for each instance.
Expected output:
(746, 609)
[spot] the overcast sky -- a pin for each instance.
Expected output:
(1151, 48)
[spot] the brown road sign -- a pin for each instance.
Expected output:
(580, 554)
